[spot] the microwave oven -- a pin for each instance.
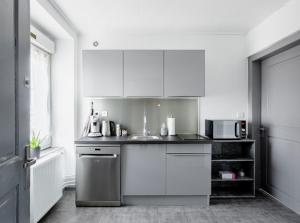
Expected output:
(225, 129)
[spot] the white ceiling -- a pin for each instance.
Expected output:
(92, 17)
(42, 20)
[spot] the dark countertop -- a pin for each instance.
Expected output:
(126, 140)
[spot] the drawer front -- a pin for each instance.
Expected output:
(189, 148)
(188, 174)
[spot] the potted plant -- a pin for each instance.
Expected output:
(35, 146)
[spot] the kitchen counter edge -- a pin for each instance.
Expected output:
(127, 140)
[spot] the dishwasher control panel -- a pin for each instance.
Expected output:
(90, 149)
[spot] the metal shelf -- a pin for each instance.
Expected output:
(232, 196)
(233, 140)
(215, 179)
(233, 160)
(225, 193)
(233, 155)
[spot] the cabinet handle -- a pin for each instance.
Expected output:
(188, 154)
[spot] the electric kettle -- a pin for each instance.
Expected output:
(108, 128)
(105, 130)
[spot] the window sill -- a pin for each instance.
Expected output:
(46, 152)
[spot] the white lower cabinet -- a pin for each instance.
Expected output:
(179, 169)
(143, 169)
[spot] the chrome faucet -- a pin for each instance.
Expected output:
(146, 132)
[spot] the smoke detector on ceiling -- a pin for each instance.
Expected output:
(95, 43)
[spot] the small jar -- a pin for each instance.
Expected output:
(241, 173)
(118, 130)
(163, 130)
(124, 132)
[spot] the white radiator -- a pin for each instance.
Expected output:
(46, 187)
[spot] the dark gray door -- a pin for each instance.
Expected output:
(14, 110)
(281, 121)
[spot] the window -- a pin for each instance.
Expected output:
(40, 95)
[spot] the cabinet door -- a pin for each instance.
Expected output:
(143, 169)
(188, 174)
(143, 73)
(102, 73)
(184, 73)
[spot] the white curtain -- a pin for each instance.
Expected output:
(40, 111)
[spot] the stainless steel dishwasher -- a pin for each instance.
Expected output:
(98, 175)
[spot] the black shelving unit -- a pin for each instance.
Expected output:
(233, 155)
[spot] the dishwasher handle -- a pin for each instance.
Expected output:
(96, 156)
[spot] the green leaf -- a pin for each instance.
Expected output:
(35, 141)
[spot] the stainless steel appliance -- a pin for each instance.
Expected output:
(225, 129)
(98, 175)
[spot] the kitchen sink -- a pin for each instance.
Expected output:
(140, 137)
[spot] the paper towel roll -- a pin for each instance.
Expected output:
(171, 126)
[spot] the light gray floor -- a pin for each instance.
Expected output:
(259, 210)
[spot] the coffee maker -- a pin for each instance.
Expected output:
(95, 126)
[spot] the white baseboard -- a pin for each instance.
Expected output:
(279, 201)
(69, 181)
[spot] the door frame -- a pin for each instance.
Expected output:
(254, 94)
(22, 71)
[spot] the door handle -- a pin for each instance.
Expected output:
(29, 163)
(237, 129)
(28, 160)
(262, 132)
(107, 156)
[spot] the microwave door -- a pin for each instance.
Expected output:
(225, 130)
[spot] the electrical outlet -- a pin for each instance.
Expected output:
(104, 113)
(240, 115)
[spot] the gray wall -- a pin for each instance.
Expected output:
(129, 113)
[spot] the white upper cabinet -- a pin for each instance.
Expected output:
(184, 73)
(102, 73)
(143, 73)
